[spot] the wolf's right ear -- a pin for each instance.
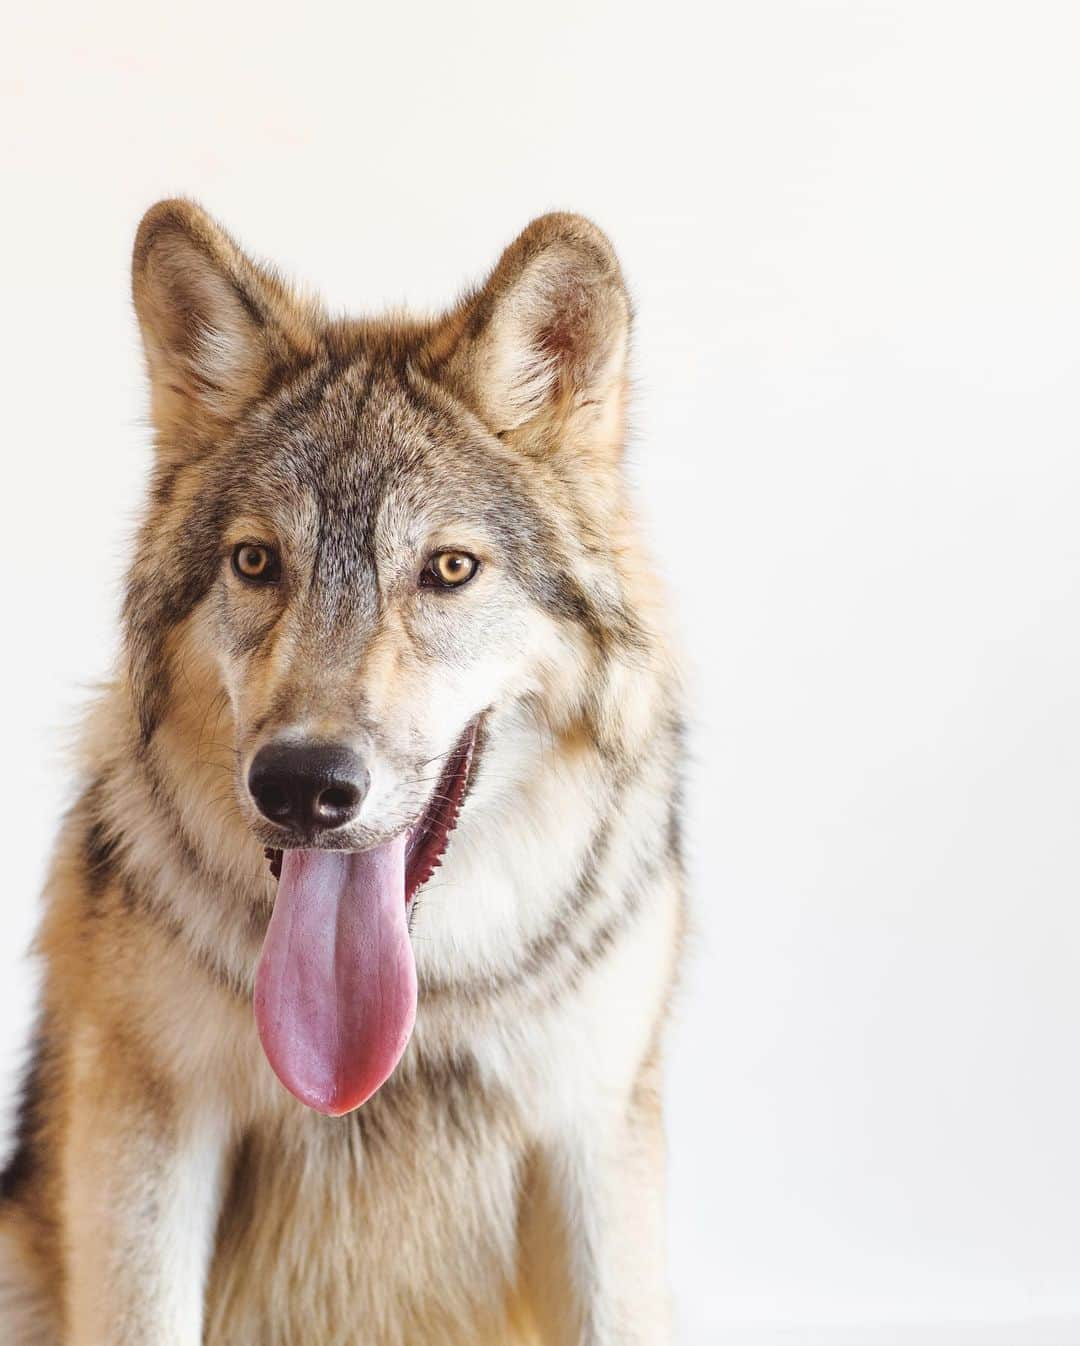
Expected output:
(215, 326)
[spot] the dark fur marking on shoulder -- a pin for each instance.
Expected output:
(21, 1168)
(191, 859)
(99, 856)
(190, 854)
(103, 869)
(602, 939)
(219, 973)
(99, 847)
(589, 951)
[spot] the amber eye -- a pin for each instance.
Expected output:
(449, 569)
(255, 563)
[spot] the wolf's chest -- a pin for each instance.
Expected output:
(394, 1225)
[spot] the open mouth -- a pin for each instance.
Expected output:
(427, 839)
(335, 989)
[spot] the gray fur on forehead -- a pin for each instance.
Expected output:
(354, 443)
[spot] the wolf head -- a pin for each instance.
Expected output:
(368, 539)
(376, 530)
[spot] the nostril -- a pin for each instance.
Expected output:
(337, 797)
(273, 799)
(337, 803)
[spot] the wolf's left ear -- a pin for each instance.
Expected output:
(540, 351)
(215, 326)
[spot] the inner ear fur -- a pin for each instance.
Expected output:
(215, 325)
(539, 352)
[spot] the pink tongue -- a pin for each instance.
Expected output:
(335, 991)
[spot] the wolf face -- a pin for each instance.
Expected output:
(373, 538)
(395, 597)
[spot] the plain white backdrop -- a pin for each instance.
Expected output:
(852, 231)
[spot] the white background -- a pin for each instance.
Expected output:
(852, 231)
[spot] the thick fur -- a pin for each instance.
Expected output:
(506, 1185)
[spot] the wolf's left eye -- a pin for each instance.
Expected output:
(256, 564)
(449, 569)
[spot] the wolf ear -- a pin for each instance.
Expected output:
(215, 326)
(539, 352)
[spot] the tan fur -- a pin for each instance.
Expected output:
(506, 1184)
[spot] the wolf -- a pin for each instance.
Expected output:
(359, 942)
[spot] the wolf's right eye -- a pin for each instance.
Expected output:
(256, 564)
(449, 570)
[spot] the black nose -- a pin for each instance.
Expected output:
(313, 786)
